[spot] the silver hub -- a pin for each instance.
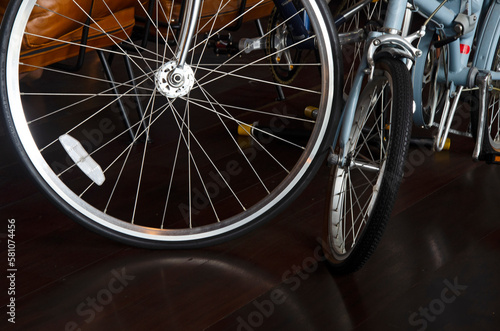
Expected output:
(174, 82)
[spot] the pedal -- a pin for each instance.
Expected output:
(490, 158)
(443, 145)
(222, 44)
(260, 131)
(246, 130)
(311, 112)
(447, 144)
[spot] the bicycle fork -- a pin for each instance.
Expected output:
(176, 78)
(389, 42)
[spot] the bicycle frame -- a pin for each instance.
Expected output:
(457, 73)
(485, 16)
(468, 21)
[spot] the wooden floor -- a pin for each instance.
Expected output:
(437, 267)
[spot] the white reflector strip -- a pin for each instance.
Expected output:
(82, 159)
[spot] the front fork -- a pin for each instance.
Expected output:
(389, 40)
(189, 22)
(176, 78)
(298, 26)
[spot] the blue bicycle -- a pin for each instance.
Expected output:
(455, 49)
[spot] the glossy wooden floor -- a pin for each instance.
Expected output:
(437, 267)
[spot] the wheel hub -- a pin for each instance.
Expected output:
(174, 82)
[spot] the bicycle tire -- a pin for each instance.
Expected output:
(360, 200)
(221, 190)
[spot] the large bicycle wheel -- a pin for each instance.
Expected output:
(363, 190)
(173, 172)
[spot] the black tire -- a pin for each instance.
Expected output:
(159, 171)
(347, 245)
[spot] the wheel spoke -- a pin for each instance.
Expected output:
(168, 166)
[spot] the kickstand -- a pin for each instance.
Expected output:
(483, 81)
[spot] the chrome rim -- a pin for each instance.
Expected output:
(82, 192)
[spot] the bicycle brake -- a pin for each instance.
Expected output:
(402, 44)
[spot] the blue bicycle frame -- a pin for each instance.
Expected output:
(486, 16)
(481, 14)
(469, 21)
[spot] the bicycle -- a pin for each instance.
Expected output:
(441, 71)
(125, 112)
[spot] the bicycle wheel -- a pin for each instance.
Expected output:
(174, 175)
(363, 191)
